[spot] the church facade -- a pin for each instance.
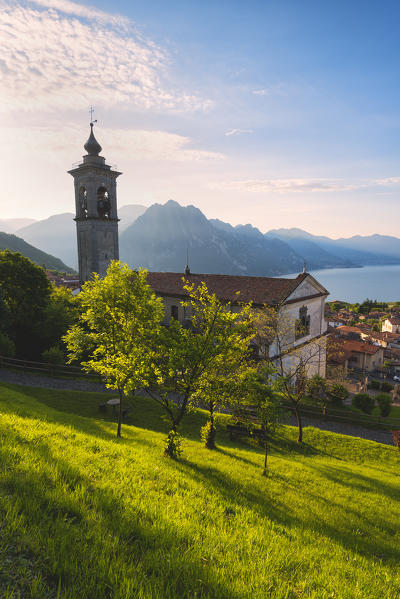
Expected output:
(300, 302)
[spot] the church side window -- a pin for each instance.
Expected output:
(103, 202)
(83, 202)
(174, 312)
(302, 323)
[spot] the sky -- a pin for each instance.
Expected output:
(278, 114)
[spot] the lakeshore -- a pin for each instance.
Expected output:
(352, 285)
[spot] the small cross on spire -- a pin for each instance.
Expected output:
(91, 115)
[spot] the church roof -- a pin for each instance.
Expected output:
(92, 146)
(258, 290)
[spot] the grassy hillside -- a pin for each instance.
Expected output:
(17, 244)
(84, 515)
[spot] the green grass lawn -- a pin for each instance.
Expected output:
(86, 516)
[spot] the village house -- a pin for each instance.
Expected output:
(391, 324)
(350, 354)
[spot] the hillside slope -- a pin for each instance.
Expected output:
(16, 244)
(87, 515)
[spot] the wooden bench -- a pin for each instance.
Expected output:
(239, 430)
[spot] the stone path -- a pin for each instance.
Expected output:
(22, 378)
(48, 382)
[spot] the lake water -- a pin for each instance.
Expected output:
(356, 284)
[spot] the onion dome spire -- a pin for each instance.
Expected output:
(92, 146)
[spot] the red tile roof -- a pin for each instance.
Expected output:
(360, 347)
(259, 290)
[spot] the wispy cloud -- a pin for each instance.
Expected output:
(277, 89)
(304, 185)
(86, 12)
(64, 55)
(64, 144)
(238, 131)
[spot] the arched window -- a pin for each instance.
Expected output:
(103, 202)
(302, 323)
(83, 202)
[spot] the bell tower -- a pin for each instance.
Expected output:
(95, 211)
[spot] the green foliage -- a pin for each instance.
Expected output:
(119, 319)
(386, 386)
(7, 346)
(61, 313)
(54, 355)
(25, 291)
(368, 306)
(102, 518)
(374, 385)
(203, 362)
(384, 402)
(207, 434)
(337, 393)
(316, 388)
(364, 402)
(173, 445)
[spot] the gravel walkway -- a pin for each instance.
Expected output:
(21, 378)
(49, 382)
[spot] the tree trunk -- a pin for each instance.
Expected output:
(210, 441)
(265, 471)
(119, 413)
(299, 423)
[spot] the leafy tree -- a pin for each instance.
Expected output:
(364, 402)
(120, 316)
(384, 402)
(25, 291)
(200, 362)
(337, 393)
(60, 314)
(276, 331)
(261, 392)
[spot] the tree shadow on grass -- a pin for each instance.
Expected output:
(354, 532)
(85, 538)
(79, 410)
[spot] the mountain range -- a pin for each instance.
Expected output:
(161, 237)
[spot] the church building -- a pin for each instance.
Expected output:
(301, 300)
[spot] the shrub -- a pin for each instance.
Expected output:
(172, 448)
(316, 388)
(384, 402)
(54, 356)
(7, 346)
(337, 393)
(364, 402)
(386, 386)
(374, 385)
(207, 433)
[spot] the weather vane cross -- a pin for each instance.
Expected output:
(91, 115)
